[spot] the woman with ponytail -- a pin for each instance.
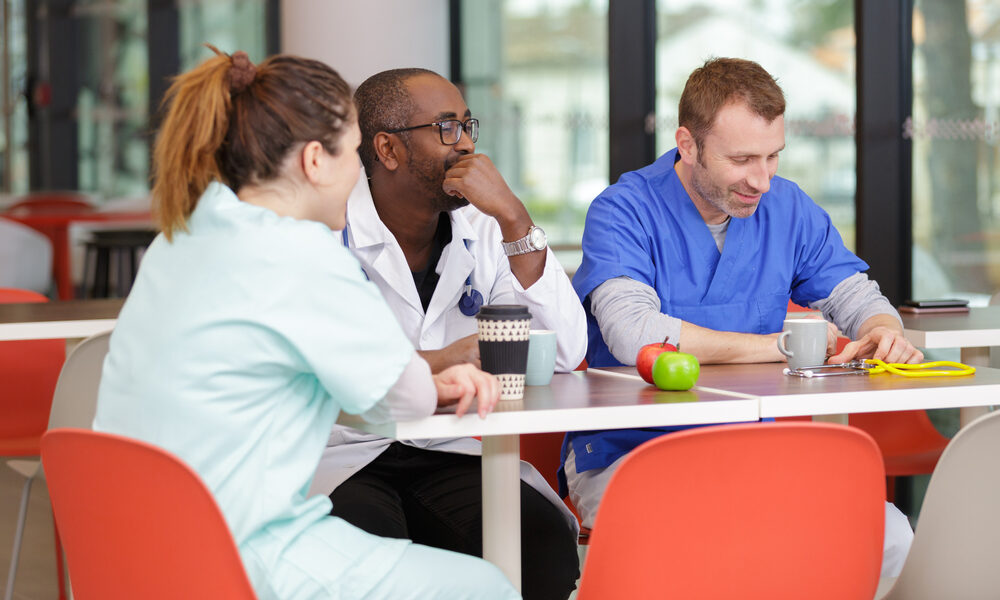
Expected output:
(250, 327)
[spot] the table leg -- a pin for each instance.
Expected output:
(840, 419)
(62, 263)
(502, 504)
(976, 357)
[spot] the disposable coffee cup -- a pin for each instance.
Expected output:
(803, 341)
(504, 332)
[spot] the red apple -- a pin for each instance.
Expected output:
(647, 356)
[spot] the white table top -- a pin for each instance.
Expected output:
(616, 398)
(581, 401)
(978, 327)
(784, 396)
(57, 320)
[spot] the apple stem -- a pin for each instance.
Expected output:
(665, 340)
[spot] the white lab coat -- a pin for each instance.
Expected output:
(475, 251)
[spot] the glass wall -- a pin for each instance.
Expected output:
(536, 76)
(955, 128)
(111, 109)
(13, 98)
(808, 45)
(229, 25)
(112, 105)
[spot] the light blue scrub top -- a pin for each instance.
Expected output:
(646, 227)
(238, 346)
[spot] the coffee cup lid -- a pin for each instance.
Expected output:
(503, 312)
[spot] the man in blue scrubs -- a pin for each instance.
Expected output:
(706, 246)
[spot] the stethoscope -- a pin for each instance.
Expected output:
(470, 301)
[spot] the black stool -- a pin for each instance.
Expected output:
(112, 261)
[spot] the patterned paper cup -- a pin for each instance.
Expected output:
(504, 331)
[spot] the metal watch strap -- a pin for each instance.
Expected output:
(524, 245)
(517, 247)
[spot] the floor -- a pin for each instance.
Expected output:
(36, 574)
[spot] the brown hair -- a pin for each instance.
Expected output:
(384, 103)
(721, 81)
(230, 121)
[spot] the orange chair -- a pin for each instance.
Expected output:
(542, 450)
(51, 213)
(28, 373)
(750, 511)
(909, 442)
(137, 522)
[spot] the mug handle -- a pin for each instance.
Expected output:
(781, 344)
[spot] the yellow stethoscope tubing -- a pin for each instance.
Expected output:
(928, 369)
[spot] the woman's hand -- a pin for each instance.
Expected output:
(461, 383)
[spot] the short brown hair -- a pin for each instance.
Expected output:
(237, 125)
(721, 81)
(384, 103)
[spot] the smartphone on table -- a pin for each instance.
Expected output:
(937, 305)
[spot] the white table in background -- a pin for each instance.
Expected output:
(972, 332)
(72, 320)
(578, 401)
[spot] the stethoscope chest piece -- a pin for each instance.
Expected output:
(470, 301)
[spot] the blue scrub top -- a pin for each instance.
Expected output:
(237, 347)
(646, 227)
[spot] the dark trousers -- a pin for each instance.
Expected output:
(435, 498)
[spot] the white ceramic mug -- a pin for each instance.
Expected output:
(803, 341)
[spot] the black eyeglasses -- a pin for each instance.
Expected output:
(450, 130)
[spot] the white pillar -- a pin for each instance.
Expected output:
(361, 38)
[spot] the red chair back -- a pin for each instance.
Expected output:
(753, 511)
(51, 203)
(136, 522)
(542, 450)
(909, 442)
(28, 373)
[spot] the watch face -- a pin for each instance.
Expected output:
(537, 238)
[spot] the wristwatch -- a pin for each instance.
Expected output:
(533, 242)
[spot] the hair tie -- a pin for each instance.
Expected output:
(241, 73)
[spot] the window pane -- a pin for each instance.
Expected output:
(955, 128)
(536, 77)
(13, 101)
(229, 25)
(808, 45)
(112, 104)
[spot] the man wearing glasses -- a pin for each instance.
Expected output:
(438, 230)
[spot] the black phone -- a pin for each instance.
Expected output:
(937, 303)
